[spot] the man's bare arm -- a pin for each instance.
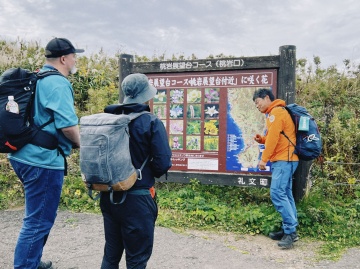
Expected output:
(73, 134)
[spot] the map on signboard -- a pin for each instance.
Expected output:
(243, 122)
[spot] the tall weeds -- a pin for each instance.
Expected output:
(333, 98)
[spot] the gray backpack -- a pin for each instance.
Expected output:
(105, 159)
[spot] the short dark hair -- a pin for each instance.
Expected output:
(261, 93)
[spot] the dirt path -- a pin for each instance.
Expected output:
(76, 242)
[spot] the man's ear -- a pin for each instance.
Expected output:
(62, 59)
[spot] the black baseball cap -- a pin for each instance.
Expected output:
(60, 46)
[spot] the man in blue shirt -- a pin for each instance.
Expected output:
(41, 170)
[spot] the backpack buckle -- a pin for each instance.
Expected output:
(139, 174)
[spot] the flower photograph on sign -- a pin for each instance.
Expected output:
(160, 97)
(211, 127)
(211, 143)
(176, 111)
(176, 142)
(211, 111)
(194, 96)
(176, 126)
(193, 142)
(193, 127)
(160, 111)
(193, 111)
(212, 95)
(177, 96)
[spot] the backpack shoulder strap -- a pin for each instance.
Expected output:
(134, 115)
(40, 75)
(282, 132)
(139, 173)
(277, 108)
(46, 73)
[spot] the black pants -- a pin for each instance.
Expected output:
(128, 226)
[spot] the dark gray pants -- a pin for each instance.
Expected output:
(128, 226)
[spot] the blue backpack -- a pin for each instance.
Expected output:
(308, 139)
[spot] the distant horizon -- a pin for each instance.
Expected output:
(187, 57)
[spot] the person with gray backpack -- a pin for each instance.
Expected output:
(129, 216)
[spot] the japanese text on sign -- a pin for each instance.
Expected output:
(206, 64)
(253, 181)
(241, 80)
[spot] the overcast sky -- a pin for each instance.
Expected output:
(329, 29)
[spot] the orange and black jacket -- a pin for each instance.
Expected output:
(277, 146)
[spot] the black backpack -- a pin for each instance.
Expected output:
(17, 130)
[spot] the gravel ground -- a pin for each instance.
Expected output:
(77, 239)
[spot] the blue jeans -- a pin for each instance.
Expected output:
(281, 193)
(42, 196)
(128, 226)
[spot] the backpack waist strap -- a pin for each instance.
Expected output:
(139, 192)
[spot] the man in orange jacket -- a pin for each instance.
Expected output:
(280, 152)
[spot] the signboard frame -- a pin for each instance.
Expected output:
(284, 65)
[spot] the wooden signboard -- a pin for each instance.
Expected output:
(207, 108)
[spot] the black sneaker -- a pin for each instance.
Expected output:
(45, 265)
(280, 234)
(288, 240)
(276, 235)
(295, 237)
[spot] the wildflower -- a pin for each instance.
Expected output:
(211, 111)
(160, 96)
(211, 95)
(194, 96)
(211, 128)
(176, 111)
(176, 127)
(177, 96)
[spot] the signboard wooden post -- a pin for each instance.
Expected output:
(207, 108)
